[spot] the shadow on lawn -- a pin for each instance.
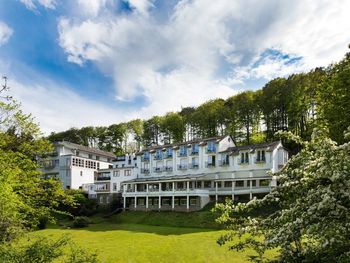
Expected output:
(137, 228)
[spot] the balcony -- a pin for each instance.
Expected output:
(158, 169)
(194, 165)
(182, 154)
(209, 165)
(182, 167)
(145, 170)
(103, 178)
(168, 168)
(168, 156)
(194, 153)
(158, 157)
(224, 163)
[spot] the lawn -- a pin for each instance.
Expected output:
(115, 242)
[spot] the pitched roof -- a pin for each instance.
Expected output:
(85, 149)
(269, 145)
(201, 141)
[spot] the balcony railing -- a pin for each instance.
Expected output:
(103, 178)
(158, 169)
(168, 156)
(194, 165)
(209, 165)
(145, 171)
(168, 168)
(224, 163)
(182, 154)
(194, 152)
(182, 167)
(158, 157)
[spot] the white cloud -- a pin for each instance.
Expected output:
(57, 108)
(92, 7)
(202, 50)
(5, 33)
(33, 4)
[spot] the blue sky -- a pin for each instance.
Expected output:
(98, 62)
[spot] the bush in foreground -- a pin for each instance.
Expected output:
(81, 221)
(312, 223)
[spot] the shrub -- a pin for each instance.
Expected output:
(81, 221)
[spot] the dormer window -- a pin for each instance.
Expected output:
(169, 153)
(145, 156)
(195, 149)
(211, 147)
(260, 156)
(245, 158)
(158, 155)
(183, 151)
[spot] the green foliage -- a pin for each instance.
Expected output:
(312, 222)
(299, 103)
(45, 250)
(80, 222)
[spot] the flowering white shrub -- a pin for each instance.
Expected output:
(311, 222)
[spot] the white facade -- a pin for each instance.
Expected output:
(186, 176)
(75, 165)
(108, 182)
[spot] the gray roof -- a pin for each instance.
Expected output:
(270, 147)
(200, 141)
(85, 149)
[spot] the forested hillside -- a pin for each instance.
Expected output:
(299, 103)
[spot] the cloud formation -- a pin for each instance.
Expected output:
(202, 50)
(5, 33)
(33, 4)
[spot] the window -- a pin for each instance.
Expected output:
(193, 201)
(81, 173)
(145, 156)
(156, 201)
(116, 173)
(227, 184)
(127, 172)
(218, 184)
(68, 173)
(195, 148)
(77, 153)
(260, 156)
(90, 156)
(158, 155)
(199, 184)
(264, 182)
(141, 201)
(211, 161)
(107, 199)
(57, 162)
(165, 201)
(97, 157)
(207, 184)
(244, 158)
(183, 201)
(169, 153)
(211, 147)
(239, 183)
(183, 151)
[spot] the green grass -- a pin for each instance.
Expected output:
(200, 219)
(143, 243)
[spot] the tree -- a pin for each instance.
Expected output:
(311, 223)
(27, 199)
(334, 99)
(173, 127)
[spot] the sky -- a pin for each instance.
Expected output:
(75, 63)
